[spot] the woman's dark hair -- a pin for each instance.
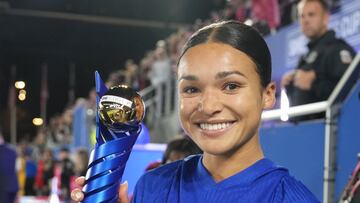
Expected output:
(240, 36)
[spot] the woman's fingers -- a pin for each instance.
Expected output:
(80, 181)
(123, 193)
(77, 195)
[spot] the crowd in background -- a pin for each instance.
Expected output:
(49, 155)
(36, 170)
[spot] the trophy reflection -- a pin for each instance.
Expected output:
(120, 111)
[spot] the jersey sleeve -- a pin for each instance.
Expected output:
(291, 190)
(138, 194)
(154, 185)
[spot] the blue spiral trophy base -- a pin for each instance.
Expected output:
(108, 158)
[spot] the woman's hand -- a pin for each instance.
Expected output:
(78, 195)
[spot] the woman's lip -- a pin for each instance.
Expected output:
(213, 121)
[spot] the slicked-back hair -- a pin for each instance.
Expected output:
(241, 37)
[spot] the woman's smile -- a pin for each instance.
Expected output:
(215, 129)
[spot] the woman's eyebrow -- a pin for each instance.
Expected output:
(188, 77)
(224, 74)
(219, 75)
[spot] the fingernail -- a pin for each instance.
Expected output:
(78, 195)
(125, 183)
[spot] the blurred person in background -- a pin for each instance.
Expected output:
(39, 144)
(130, 73)
(266, 11)
(45, 172)
(21, 166)
(176, 149)
(81, 162)
(144, 68)
(180, 148)
(161, 68)
(66, 126)
(8, 177)
(328, 57)
(30, 173)
(67, 172)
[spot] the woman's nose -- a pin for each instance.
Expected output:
(210, 103)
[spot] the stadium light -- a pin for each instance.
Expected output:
(20, 84)
(22, 92)
(37, 121)
(22, 96)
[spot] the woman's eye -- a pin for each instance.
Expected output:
(231, 86)
(190, 90)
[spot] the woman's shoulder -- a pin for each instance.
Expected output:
(155, 185)
(285, 187)
(290, 189)
(166, 173)
(172, 167)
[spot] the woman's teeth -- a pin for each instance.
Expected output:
(217, 126)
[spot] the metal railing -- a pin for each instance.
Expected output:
(331, 107)
(160, 101)
(340, 91)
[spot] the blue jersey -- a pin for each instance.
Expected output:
(188, 181)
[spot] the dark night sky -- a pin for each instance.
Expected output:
(28, 42)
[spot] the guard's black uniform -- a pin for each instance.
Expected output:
(328, 57)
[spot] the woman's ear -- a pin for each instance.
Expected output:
(269, 96)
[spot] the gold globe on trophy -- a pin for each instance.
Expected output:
(121, 108)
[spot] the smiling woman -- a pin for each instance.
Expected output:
(224, 76)
(222, 80)
(224, 85)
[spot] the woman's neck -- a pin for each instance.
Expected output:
(224, 166)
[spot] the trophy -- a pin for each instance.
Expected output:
(120, 111)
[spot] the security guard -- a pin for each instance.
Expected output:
(321, 68)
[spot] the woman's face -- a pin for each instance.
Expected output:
(220, 97)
